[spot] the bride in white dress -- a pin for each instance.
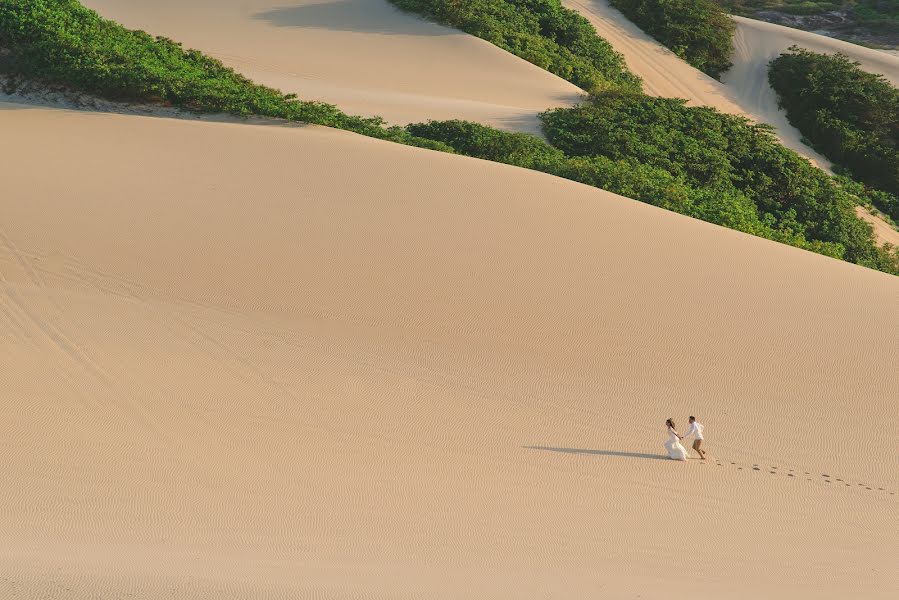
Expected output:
(675, 450)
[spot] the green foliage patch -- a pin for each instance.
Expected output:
(849, 115)
(62, 42)
(725, 153)
(626, 175)
(699, 31)
(861, 12)
(541, 32)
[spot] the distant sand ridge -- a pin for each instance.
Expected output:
(366, 56)
(744, 89)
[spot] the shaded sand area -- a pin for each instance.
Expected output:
(365, 56)
(244, 361)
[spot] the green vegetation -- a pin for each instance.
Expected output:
(61, 42)
(698, 31)
(710, 150)
(541, 32)
(849, 115)
(692, 161)
(864, 12)
(877, 12)
(872, 23)
(623, 175)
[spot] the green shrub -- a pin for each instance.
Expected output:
(699, 31)
(848, 115)
(541, 32)
(710, 150)
(62, 42)
(622, 175)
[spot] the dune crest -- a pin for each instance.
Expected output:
(365, 56)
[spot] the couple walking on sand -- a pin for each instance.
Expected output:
(675, 450)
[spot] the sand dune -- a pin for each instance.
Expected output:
(232, 371)
(744, 89)
(665, 74)
(363, 55)
(756, 43)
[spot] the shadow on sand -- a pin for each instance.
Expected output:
(599, 452)
(349, 15)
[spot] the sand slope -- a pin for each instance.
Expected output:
(665, 74)
(232, 371)
(371, 59)
(363, 55)
(757, 43)
(744, 89)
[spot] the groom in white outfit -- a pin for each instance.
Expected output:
(696, 429)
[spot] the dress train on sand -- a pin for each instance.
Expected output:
(675, 450)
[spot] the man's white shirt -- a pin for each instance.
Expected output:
(695, 427)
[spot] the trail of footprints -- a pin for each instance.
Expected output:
(798, 475)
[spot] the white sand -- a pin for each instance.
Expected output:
(365, 56)
(275, 362)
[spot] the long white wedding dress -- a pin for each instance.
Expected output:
(675, 450)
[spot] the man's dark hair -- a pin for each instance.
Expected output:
(692, 418)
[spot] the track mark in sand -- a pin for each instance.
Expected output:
(795, 475)
(56, 337)
(23, 261)
(42, 333)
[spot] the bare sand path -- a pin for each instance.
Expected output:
(744, 89)
(365, 56)
(244, 361)
(665, 74)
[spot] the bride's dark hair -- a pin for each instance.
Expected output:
(670, 423)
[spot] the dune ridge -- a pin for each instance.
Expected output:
(365, 56)
(228, 376)
(743, 89)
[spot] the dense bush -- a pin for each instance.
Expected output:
(61, 42)
(699, 31)
(623, 175)
(541, 32)
(710, 150)
(858, 12)
(878, 12)
(850, 116)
